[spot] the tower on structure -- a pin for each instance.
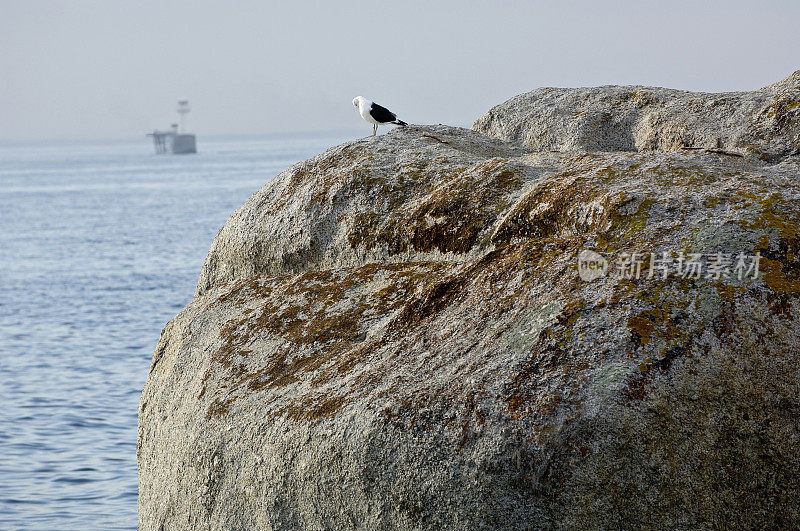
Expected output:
(176, 139)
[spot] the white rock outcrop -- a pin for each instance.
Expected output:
(762, 123)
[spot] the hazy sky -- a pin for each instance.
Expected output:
(114, 69)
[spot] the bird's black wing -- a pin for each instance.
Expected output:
(381, 114)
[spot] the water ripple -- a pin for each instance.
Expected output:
(102, 244)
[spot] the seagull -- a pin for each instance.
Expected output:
(375, 114)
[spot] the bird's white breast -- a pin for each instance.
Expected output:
(363, 109)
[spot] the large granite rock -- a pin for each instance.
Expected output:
(395, 334)
(764, 123)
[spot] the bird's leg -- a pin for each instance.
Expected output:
(374, 129)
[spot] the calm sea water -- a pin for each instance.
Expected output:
(100, 245)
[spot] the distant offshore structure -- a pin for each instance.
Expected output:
(176, 140)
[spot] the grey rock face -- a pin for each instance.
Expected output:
(395, 335)
(761, 124)
(351, 205)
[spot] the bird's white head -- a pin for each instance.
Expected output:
(356, 101)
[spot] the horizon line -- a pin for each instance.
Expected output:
(293, 134)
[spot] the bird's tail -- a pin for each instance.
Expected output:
(399, 122)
